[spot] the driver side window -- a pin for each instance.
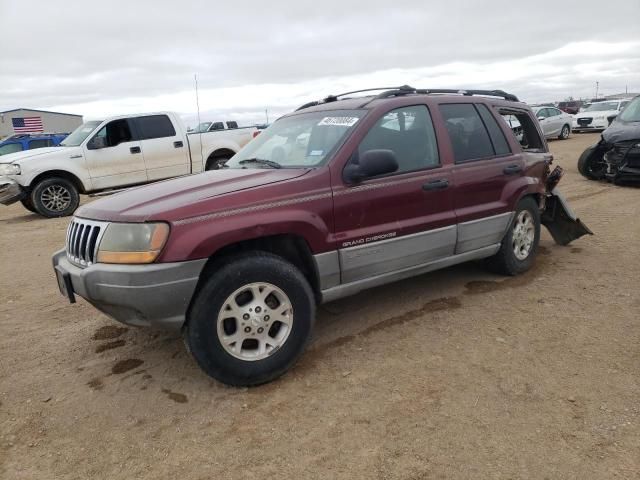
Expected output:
(115, 133)
(409, 133)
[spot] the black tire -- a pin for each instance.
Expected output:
(591, 164)
(564, 133)
(202, 329)
(26, 203)
(505, 261)
(215, 163)
(55, 197)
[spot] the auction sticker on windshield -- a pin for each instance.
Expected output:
(339, 121)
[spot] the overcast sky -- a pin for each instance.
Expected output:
(100, 59)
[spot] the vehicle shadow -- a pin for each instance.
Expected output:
(162, 357)
(24, 218)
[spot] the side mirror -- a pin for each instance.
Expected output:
(541, 118)
(371, 164)
(96, 143)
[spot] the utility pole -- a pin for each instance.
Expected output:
(597, 85)
(266, 114)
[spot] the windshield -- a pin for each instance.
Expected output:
(631, 113)
(79, 134)
(601, 107)
(299, 141)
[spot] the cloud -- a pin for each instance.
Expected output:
(122, 57)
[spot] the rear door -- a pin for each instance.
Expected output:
(166, 153)
(402, 220)
(484, 167)
(555, 121)
(114, 156)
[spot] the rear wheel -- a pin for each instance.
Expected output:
(251, 320)
(564, 133)
(216, 163)
(520, 243)
(55, 197)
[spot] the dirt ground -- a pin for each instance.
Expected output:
(454, 374)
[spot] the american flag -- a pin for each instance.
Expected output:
(27, 124)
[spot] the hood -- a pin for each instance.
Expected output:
(183, 197)
(20, 157)
(603, 113)
(620, 131)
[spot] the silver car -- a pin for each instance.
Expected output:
(554, 122)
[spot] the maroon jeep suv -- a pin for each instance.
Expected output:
(344, 194)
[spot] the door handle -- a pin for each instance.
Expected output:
(436, 184)
(135, 150)
(511, 169)
(178, 144)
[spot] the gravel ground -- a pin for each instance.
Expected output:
(454, 374)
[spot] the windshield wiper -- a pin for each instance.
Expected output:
(261, 161)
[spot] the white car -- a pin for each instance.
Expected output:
(554, 122)
(598, 115)
(112, 154)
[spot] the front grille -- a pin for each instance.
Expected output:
(583, 122)
(83, 238)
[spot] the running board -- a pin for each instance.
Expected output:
(348, 289)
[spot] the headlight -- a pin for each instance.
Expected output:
(9, 169)
(132, 242)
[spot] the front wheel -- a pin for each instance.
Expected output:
(55, 197)
(26, 203)
(564, 133)
(251, 320)
(520, 243)
(591, 163)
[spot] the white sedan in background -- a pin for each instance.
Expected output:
(554, 122)
(597, 115)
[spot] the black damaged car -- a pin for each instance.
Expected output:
(616, 157)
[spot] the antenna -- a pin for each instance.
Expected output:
(195, 79)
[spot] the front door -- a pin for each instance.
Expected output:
(402, 220)
(484, 166)
(166, 153)
(114, 156)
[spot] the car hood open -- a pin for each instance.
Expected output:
(174, 199)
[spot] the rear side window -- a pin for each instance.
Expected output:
(39, 143)
(524, 129)
(232, 124)
(469, 137)
(155, 126)
(498, 139)
(409, 133)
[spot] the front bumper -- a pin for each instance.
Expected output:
(154, 295)
(597, 124)
(10, 191)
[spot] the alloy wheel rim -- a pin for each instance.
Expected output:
(565, 131)
(56, 198)
(523, 235)
(255, 321)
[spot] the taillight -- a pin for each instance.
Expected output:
(256, 133)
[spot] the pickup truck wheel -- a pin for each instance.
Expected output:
(520, 243)
(55, 197)
(26, 203)
(251, 320)
(216, 163)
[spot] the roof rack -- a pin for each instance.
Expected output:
(407, 90)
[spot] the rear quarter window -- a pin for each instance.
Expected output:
(155, 126)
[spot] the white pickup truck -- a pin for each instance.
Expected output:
(111, 154)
